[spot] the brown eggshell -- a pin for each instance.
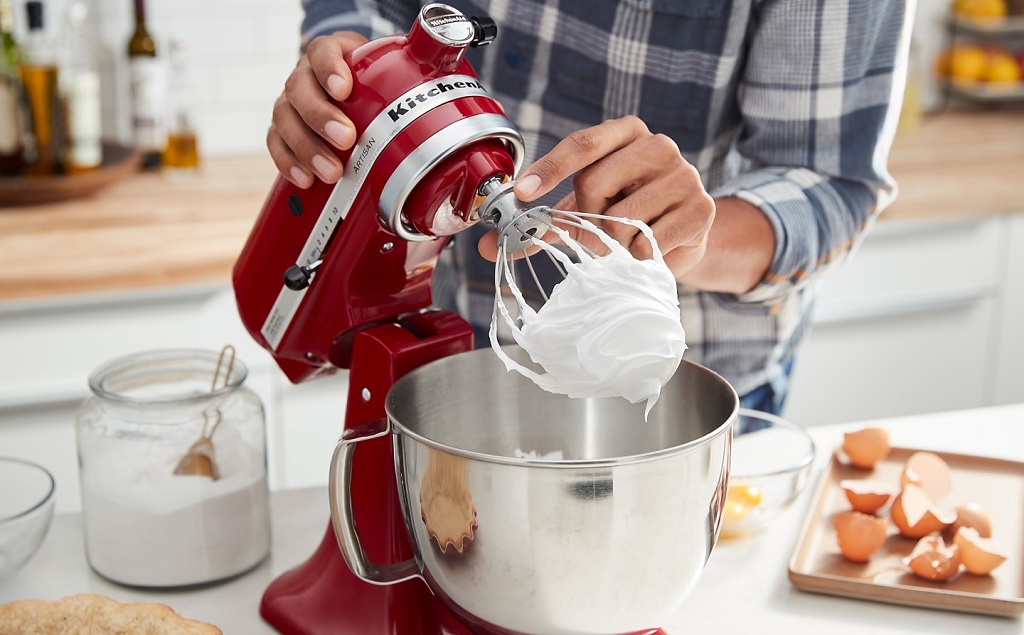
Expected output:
(930, 472)
(980, 556)
(866, 446)
(867, 495)
(973, 516)
(859, 536)
(915, 515)
(933, 560)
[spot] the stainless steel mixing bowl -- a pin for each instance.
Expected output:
(608, 539)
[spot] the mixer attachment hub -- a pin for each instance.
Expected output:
(517, 222)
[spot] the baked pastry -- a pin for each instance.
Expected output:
(91, 614)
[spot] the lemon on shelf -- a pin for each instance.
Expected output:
(964, 63)
(981, 9)
(972, 63)
(1001, 68)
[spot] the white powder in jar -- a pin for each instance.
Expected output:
(146, 526)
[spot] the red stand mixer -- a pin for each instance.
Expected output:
(338, 276)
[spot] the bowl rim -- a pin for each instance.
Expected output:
(782, 422)
(46, 499)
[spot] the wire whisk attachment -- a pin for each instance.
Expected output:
(599, 324)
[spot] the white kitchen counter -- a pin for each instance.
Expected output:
(744, 588)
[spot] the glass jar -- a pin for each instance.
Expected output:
(172, 460)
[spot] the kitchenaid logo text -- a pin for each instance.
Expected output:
(446, 19)
(402, 108)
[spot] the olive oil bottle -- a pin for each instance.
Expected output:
(181, 153)
(39, 78)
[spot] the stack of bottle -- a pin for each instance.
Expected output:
(50, 117)
(50, 109)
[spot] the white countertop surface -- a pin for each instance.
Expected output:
(744, 587)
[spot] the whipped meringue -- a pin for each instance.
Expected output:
(612, 328)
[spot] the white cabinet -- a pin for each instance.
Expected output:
(925, 317)
(48, 348)
(1008, 373)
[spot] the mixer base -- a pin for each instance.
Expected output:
(322, 596)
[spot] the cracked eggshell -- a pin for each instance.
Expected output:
(867, 495)
(866, 446)
(916, 515)
(858, 535)
(972, 515)
(930, 472)
(933, 560)
(980, 556)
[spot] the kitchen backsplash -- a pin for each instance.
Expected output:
(239, 53)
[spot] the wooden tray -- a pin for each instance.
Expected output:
(997, 485)
(118, 162)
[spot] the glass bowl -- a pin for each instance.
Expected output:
(771, 462)
(26, 510)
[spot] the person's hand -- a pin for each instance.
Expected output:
(622, 169)
(306, 123)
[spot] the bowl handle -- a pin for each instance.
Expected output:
(340, 487)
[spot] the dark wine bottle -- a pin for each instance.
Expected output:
(148, 79)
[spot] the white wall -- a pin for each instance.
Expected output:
(239, 54)
(930, 38)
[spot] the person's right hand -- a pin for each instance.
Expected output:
(306, 123)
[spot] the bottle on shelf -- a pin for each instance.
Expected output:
(39, 78)
(12, 138)
(80, 93)
(181, 153)
(148, 79)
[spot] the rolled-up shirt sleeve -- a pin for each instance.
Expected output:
(818, 129)
(371, 18)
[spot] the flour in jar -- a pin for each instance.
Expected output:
(146, 526)
(612, 328)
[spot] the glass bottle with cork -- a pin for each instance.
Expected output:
(12, 143)
(148, 79)
(40, 80)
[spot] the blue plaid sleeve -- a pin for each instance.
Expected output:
(818, 128)
(371, 18)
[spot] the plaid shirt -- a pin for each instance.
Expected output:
(790, 105)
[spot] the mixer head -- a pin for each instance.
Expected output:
(323, 263)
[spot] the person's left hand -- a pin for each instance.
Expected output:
(622, 169)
